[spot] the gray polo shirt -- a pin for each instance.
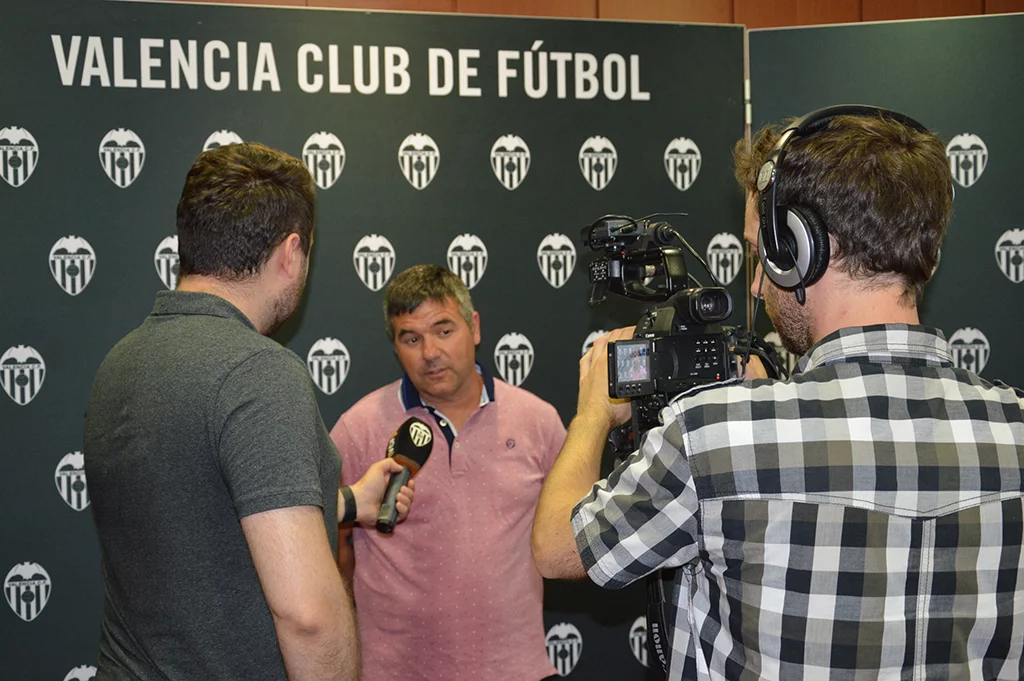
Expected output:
(195, 421)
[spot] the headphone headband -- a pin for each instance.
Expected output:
(780, 264)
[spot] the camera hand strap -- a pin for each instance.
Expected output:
(657, 636)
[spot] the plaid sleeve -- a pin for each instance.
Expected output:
(643, 517)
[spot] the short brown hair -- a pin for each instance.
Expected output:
(883, 189)
(419, 283)
(239, 202)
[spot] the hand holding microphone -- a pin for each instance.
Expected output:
(384, 494)
(409, 447)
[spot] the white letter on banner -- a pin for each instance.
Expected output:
(147, 62)
(635, 93)
(586, 76)
(66, 64)
(505, 71)
(119, 79)
(441, 69)
(94, 65)
(396, 71)
(266, 69)
(182, 66)
(308, 52)
(466, 72)
(209, 76)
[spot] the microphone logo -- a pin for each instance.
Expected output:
(420, 434)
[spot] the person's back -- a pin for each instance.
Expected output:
(213, 481)
(182, 592)
(864, 517)
(860, 520)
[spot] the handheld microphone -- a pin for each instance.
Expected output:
(410, 446)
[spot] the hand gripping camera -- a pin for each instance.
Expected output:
(679, 342)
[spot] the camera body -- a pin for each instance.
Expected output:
(667, 356)
(679, 343)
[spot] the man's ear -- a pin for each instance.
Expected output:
(290, 255)
(476, 327)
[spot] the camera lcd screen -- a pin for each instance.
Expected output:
(632, 361)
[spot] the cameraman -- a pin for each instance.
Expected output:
(862, 519)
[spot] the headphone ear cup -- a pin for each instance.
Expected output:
(818, 238)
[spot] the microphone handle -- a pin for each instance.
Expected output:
(387, 516)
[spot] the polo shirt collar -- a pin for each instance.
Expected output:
(196, 303)
(411, 397)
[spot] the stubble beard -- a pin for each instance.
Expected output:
(285, 305)
(791, 319)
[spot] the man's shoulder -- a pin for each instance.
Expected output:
(520, 400)
(381, 405)
(734, 390)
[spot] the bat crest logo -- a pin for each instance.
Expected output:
(166, 261)
(510, 160)
(324, 155)
(19, 154)
(70, 479)
(970, 349)
(374, 260)
(565, 645)
(83, 673)
(598, 160)
(556, 257)
(725, 257)
(682, 162)
(72, 264)
(1010, 254)
(328, 362)
(122, 155)
(513, 355)
(419, 158)
(638, 639)
(467, 257)
(420, 434)
(27, 589)
(968, 157)
(22, 371)
(221, 138)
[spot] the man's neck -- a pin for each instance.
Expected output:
(851, 305)
(461, 407)
(241, 296)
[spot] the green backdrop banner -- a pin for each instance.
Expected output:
(482, 144)
(961, 78)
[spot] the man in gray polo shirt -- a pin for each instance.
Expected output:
(213, 479)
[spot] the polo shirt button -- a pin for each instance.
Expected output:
(444, 423)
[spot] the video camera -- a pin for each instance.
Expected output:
(679, 343)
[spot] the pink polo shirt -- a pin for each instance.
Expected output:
(454, 593)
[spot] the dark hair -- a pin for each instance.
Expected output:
(884, 191)
(240, 201)
(408, 290)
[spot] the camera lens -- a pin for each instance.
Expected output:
(711, 305)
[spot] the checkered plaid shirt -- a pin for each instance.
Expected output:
(862, 520)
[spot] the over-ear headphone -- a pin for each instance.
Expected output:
(793, 244)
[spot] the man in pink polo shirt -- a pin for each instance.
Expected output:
(454, 592)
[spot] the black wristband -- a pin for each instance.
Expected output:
(350, 505)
